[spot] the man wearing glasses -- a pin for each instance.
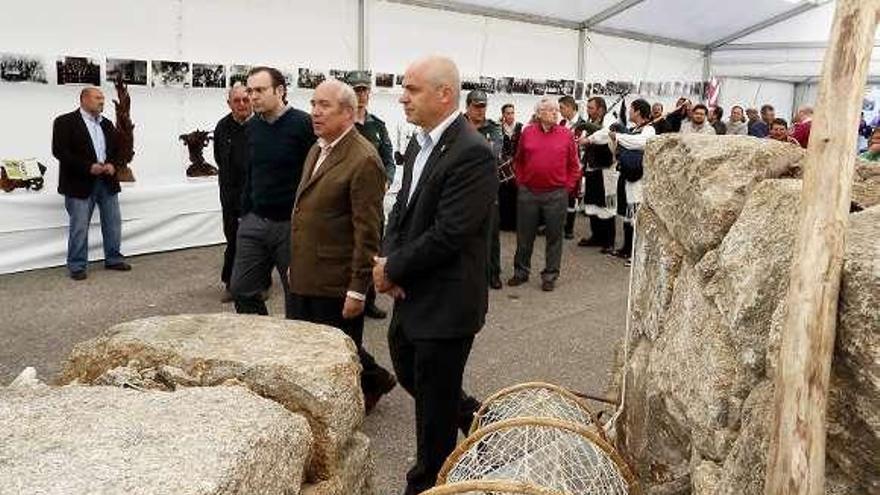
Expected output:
(278, 139)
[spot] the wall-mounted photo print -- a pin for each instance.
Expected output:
(238, 73)
(398, 80)
(553, 87)
(384, 80)
(309, 78)
(521, 86)
(133, 72)
(78, 70)
(22, 68)
(208, 76)
(171, 74)
(503, 84)
(567, 87)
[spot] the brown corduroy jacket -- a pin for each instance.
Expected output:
(336, 220)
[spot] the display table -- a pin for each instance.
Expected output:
(33, 225)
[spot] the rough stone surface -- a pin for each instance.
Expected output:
(26, 379)
(717, 237)
(866, 185)
(85, 440)
(355, 474)
(698, 184)
(309, 369)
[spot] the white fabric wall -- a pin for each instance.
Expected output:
(162, 210)
(752, 93)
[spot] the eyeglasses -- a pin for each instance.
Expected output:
(258, 89)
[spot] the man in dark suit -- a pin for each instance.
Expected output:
(230, 154)
(85, 145)
(335, 227)
(434, 261)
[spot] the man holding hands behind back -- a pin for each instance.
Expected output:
(434, 261)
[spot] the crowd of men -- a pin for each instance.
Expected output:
(302, 195)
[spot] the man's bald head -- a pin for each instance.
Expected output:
(432, 88)
(91, 100)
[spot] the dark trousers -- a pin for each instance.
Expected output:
(328, 311)
(532, 209)
(230, 231)
(602, 230)
(261, 245)
(570, 215)
(494, 243)
(431, 372)
(627, 247)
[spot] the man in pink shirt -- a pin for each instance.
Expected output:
(800, 131)
(547, 173)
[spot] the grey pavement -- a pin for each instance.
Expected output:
(569, 336)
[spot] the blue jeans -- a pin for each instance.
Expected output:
(80, 212)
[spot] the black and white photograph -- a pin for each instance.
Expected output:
(309, 78)
(208, 76)
(384, 80)
(598, 89)
(553, 87)
(503, 84)
(487, 84)
(539, 87)
(133, 72)
(398, 80)
(470, 83)
(78, 70)
(338, 74)
(567, 87)
(579, 90)
(238, 73)
(521, 86)
(171, 74)
(22, 68)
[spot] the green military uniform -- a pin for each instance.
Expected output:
(373, 128)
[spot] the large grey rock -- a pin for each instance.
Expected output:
(698, 184)
(87, 440)
(309, 369)
(355, 474)
(710, 299)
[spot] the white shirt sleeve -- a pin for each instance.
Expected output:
(636, 141)
(600, 136)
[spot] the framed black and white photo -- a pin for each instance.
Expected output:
(170, 74)
(487, 84)
(539, 87)
(470, 83)
(208, 76)
(521, 86)
(309, 78)
(553, 87)
(238, 73)
(503, 84)
(567, 87)
(22, 68)
(398, 80)
(384, 80)
(78, 70)
(339, 74)
(133, 72)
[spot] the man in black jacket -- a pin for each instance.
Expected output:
(279, 138)
(434, 261)
(230, 154)
(85, 145)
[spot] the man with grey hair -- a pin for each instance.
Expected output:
(548, 171)
(335, 226)
(435, 260)
(230, 154)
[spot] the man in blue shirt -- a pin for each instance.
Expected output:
(761, 129)
(85, 145)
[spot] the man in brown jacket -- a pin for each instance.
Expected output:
(335, 228)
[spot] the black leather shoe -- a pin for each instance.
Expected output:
(591, 242)
(514, 281)
(80, 275)
(384, 384)
(119, 267)
(495, 283)
(373, 311)
(548, 285)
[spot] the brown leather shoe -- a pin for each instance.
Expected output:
(80, 275)
(548, 285)
(514, 281)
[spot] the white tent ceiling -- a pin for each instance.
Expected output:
(703, 24)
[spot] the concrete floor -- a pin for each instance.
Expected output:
(568, 337)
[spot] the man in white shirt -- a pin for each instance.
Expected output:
(699, 123)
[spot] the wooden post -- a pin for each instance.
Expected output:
(796, 462)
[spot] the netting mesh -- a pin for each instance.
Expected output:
(545, 453)
(533, 400)
(490, 487)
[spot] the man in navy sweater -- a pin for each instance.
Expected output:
(279, 138)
